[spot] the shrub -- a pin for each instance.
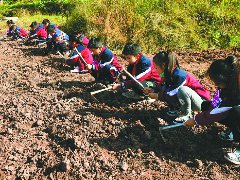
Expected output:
(154, 24)
(158, 24)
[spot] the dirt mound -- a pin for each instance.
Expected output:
(51, 127)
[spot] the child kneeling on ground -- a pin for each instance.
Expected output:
(37, 32)
(80, 53)
(105, 67)
(225, 106)
(180, 88)
(59, 40)
(141, 68)
(16, 32)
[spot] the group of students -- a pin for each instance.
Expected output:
(160, 78)
(45, 32)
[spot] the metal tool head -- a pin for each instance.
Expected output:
(168, 127)
(171, 126)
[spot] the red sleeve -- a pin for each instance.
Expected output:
(42, 33)
(87, 56)
(23, 33)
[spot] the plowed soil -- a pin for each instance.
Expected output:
(51, 128)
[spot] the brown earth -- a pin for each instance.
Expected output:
(52, 129)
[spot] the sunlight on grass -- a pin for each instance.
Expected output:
(25, 20)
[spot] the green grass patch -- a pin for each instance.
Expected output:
(25, 20)
(154, 24)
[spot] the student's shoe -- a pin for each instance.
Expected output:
(83, 71)
(233, 157)
(150, 100)
(182, 119)
(173, 113)
(226, 136)
(131, 95)
(75, 70)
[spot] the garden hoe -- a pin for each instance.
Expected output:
(168, 127)
(83, 60)
(101, 90)
(110, 86)
(133, 78)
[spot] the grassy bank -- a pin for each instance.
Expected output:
(183, 24)
(25, 20)
(154, 24)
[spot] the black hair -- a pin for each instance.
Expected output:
(13, 27)
(34, 24)
(10, 22)
(227, 72)
(95, 43)
(78, 38)
(50, 29)
(131, 49)
(45, 21)
(170, 61)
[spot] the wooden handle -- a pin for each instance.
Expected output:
(101, 90)
(83, 60)
(133, 78)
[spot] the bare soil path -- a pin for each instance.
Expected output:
(50, 128)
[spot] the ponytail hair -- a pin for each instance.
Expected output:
(227, 72)
(170, 61)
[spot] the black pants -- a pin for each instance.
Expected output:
(36, 42)
(61, 47)
(106, 74)
(233, 122)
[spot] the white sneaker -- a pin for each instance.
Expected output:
(83, 71)
(151, 100)
(182, 119)
(233, 157)
(75, 70)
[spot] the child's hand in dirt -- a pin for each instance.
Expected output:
(147, 90)
(153, 95)
(190, 123)
(116, 86)
(89, 66)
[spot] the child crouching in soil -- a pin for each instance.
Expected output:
(105, 67)
(59, 40)
(179, 87)
(225, 106)
(16, 32)
(141, 68)
(80, 53)
(37, 32)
